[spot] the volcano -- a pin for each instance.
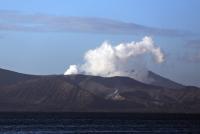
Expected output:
(84, 93)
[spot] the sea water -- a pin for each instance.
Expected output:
(61, 123)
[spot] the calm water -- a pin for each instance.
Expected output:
(98, 123)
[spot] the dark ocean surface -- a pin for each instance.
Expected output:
(84, 123)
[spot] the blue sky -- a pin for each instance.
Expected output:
(35, 38)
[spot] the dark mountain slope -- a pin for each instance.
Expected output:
(158, 80)
(83, 93)
(9, 77)
(50, 93)
(102, 86)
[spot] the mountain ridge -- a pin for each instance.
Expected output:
(85, 93)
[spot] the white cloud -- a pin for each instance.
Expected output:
(120, 60)
(19, 21)
(72, 70)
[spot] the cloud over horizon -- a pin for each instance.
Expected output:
(19, 21)
(190, 57)
(193, 43)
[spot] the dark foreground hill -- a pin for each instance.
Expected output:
(9, 77)
(83, 93)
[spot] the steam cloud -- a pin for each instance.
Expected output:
(125, 59)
